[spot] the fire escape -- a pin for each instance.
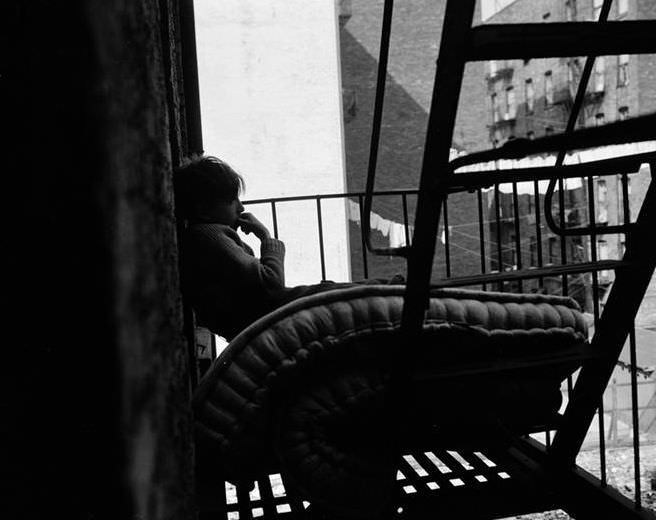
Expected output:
(497, 472)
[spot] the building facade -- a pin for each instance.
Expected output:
(534, 98)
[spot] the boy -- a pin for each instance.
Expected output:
(228, 286)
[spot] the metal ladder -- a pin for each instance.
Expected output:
(460, 44)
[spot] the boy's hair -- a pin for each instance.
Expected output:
(201, 182)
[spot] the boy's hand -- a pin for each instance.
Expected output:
(249, 224)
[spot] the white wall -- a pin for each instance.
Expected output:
(270, 94)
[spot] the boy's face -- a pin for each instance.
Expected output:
(227, 213)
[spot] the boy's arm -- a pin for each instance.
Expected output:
(230, 254)
(272, 258)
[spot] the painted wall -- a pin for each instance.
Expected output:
(271, 107)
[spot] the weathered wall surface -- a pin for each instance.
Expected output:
(100, 423)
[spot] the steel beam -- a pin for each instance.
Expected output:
(435, 171)
(544, 40)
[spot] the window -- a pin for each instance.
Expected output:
(570, 10)
(495, 108)
(622, 7)
(496, 138)
(596, 9)
(533, 248)
(599, 74)
(493, 68)
(511, 105)
(573, 75)
(548, 88)
(620, 195)
(529, 93)
(622, 70)
(602, 254)
(602, 201)
(600, 119)
(623, 113)
(513, 252)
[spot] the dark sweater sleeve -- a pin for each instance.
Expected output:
(239, 267)
(272, 258)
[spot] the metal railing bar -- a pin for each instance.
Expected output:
(322, 254)
(538, 229)
(602, 444)
(324, 196)
(593, 249)
(386, 31)
(365, 261)
(481, 232)
(560, 39)
(406, 229)
(447, 238)
(497, 215)
(518, 245)
(626, 206)
(595, 311)
(635, 422)
(526, 274)
(274, 217)
(563, 239)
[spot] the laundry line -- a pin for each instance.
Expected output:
(390, 229)
(549, 160)
(395, 231)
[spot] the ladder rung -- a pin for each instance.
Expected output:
(542, 40)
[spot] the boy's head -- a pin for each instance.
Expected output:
(204, 188)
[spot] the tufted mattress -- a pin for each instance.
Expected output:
(306, 386)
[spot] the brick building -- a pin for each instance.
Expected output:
(416, 32)
(533, 98)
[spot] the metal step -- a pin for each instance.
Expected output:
(543, 40)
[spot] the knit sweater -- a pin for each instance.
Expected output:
(229, 287)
